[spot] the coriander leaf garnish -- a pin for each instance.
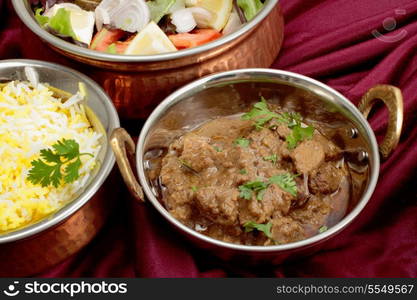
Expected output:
(290, 119)
(242, 142)
(48, 170)
(68, 149)
(71, 170)
(245, 192)
(286, 182)
(265, 228)
(323, 229)
(258, 187)
(194, 189)
(217, 149)
(273, 158)
(260, 114)
(299, 134)
(243, 172)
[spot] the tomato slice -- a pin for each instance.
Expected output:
(105, 37)
(195, 38)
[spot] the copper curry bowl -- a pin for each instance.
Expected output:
(34, 248)
(232, 92)
(138, 83)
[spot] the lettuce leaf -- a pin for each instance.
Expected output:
(250, 7)
(60, 23)
(159, 8)
(42, 20)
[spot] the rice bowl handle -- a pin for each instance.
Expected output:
(124, 151)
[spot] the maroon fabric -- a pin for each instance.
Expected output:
(330, 40)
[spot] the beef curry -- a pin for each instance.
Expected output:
(266, 177)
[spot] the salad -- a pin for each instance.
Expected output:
(140, 27)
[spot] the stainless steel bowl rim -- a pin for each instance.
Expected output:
(297, 79)
(91, 189)
(31, 23)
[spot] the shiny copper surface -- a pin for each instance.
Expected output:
(136, 88)
(37, 253)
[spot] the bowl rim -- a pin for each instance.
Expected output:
(106, 166)
(31, 23)
(230, 75)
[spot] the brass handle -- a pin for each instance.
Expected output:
(123, 148)
(393, 99)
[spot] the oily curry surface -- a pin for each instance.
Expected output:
(264, 178)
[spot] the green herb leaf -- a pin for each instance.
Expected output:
(50, 156)
(243, 172)
(242, 142)
(273, 158)
(188, 166)
(265, 228)
(184, 163)
(71, 171)
(323, 229)
(257, 187)
(245, 192)
(194, 189)
(217, 149)
(48, 170)
(68, 149)
(290, 119)
(299, 134)
(44, 174)
(260, 114)
(286, 182)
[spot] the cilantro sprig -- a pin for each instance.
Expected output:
(261, 115)
(265, 228)
(242, 142)
(299, 134)
(272, 158)
(258, 187)
(62, 162)
(284, 181)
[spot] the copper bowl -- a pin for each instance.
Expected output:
(138, 83)
(232, 92)
(34, 248)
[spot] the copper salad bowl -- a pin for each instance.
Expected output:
(138, 83)
(232, 92)
(33, 248)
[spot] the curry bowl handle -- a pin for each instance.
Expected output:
(393, 99)
(124, 149)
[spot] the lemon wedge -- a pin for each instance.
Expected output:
(150, 40)
(220, 8)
